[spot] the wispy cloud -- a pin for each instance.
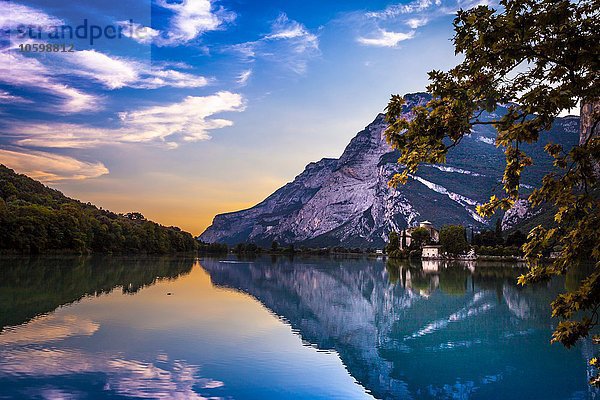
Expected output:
(7, 97)
(13, 15)
(48, 167)
(17, 70)
(396, 10)
(380, 28)
(186, 121)
(289, 43)
(386, 38)
(117, 72)
(189, 20)
(26, 72)
(192, 18)
(29, 73)
(244, 76)
(139, 33)
(285, 28)
(415, 23)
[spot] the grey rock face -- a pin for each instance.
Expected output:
(347, 201)
(519, 212)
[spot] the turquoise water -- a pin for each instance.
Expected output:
(278, 328)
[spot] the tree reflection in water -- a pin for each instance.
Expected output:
(30, 286)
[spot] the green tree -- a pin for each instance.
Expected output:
(452, 239)
(36, 219)
(498, 231)
(393, 242)
(517, 238)
(539, 57)
(420, 237)
(274, 245)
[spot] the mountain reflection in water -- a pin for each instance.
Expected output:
(421, 330)
(277, 327)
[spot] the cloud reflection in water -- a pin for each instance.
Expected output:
(26, 351)
(125, 377)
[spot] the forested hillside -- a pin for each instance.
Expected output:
(37, 219)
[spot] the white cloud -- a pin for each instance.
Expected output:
(284, 28)
(20, 71)
(110, 71)
(12, 15)
(188, 118)
(415, 23)
(186, 121)
(7, 97)
(159, 78)
(246, 50)
(386, 38)
(289, 43)
(191, 18)
(139, 33)
(466, 4)
(300, 38)
(27, 72)
(244, 76)
(48, 167)
(375, 28)
(116, 72)
(396, 10)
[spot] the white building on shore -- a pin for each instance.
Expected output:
(431, 252)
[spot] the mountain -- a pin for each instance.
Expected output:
(37, 219)
(347, 201)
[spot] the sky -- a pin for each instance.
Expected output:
(200, 107)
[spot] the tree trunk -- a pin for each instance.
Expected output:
(590, 128)
(590, 114)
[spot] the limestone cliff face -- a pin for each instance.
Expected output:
(347, 201)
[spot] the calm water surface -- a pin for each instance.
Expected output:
(276, 328)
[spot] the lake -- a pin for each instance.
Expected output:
(279, 328)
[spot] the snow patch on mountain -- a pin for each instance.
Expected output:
(487, 140)
(445, 168)
(466, 202)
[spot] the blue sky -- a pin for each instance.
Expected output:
(210, 106)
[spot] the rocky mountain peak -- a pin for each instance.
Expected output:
(347, 201)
